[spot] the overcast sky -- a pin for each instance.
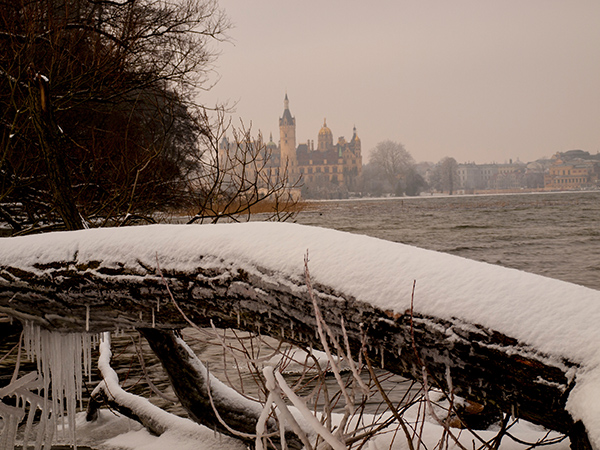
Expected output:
(479, 80)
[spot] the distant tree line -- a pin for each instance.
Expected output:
(391, 170)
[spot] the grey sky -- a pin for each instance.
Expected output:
(480, 80)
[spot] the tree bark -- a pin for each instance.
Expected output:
(483, 365)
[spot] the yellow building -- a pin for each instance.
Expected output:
(330, 170)
(571, 175)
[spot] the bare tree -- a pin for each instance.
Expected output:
(445, 175)
(97, 111)
(391, 163)
(238, 177)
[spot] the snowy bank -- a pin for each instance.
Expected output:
(557, 318)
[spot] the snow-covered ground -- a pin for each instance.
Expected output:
(558, 318)
(112, 432)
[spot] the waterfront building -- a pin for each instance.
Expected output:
(571, 170)
(331, 170)
(572, 174)
(475, 177)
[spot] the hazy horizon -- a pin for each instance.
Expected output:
(481, 81)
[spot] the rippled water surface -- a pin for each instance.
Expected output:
(556, 235)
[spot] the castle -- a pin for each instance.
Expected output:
(330, 170)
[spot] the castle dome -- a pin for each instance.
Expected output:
(325, 131)
(271, 144)
(325, 138)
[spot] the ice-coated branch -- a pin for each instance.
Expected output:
(284, 412)
(307, 415)
(205, 398)
(155, 419)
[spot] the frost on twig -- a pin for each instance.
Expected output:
(155, 419)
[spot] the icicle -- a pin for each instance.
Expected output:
(153, 319)
(87, 317)
(87, 356)
(382, 359)
(61, 360)
(141, 316)
(158, 305)
(269, 313)
(238, 318)
(282, 332)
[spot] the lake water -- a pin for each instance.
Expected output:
(555, 234)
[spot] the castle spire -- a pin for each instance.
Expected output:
(287, 138)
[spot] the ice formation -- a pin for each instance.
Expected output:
(53, 390)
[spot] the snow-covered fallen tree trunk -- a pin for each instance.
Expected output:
(205, 398)
(523, 343)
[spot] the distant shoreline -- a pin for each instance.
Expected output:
(427, 196)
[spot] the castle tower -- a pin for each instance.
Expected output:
(287, 139)
(355, 143)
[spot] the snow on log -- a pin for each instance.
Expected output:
(522, 342)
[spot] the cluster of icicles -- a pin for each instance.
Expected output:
(54, 390)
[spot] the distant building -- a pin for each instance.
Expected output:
(475, 177)
(470, 176)
(573, 170)
(330, 170)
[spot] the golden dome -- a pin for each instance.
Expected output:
(325, 131)
(325, 138)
